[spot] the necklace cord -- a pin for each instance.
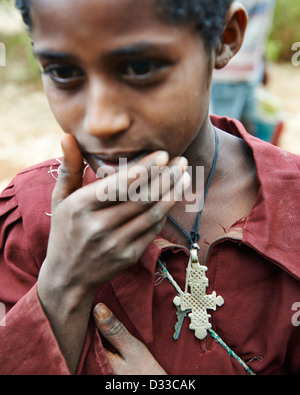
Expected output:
(194, 236)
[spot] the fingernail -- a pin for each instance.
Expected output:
(162, 158)
(102, 312)
(183, 162)
(186, 180)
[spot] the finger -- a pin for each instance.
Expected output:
(152, 218)
(71, 170)
(129, 241)
(133, 220)
(142, 196)
(108, 190)
(132, 356)
(145, 182)
(133, 251)
(160, 181)
(112, 329)
(116, 185)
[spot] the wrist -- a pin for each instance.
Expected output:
(68, 312)
(63, 299)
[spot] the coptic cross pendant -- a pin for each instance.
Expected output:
(197, 301)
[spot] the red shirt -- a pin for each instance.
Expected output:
(254, 267)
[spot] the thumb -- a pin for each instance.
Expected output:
(112, 329)
(70, 172)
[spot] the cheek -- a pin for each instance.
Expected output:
(176, 117)
(193, 108)
(67, 111)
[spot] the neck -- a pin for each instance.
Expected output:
(202, 150)
(194, 235)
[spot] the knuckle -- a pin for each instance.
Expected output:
(158, 228)
(98, 228)
(130, 256)
(122, 256)
(76, 206)
(115, 328)
(96, 233)
(145, 201)
(63, 170)
(110, 246)
(113, 250)
(156, 214)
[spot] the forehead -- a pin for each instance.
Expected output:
(85, 26)
(91, 11)
(86, 16)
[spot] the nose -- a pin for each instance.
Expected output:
(106, 114)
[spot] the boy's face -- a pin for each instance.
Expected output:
(120, 79)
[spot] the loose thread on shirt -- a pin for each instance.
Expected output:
(212, 333)
(168, 275)
(160, 276)
(55, 173)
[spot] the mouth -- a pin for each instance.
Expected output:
(115, 160)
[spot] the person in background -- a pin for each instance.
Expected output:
(234, 86)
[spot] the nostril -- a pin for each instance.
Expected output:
(121, 122)
(108, 124)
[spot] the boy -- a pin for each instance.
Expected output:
(130, 80)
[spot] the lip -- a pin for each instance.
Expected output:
(117, 159)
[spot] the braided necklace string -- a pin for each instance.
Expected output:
(196, 278)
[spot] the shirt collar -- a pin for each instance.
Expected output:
(273, 225)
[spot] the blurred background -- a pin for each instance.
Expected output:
(29, 134)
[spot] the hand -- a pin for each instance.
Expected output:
(133, 357)
(91, 241)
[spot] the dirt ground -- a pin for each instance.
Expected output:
(29, 134)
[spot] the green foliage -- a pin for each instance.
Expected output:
(21, 66)
(6, 3)
(285, 30)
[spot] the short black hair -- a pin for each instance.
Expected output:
(24, 7)
(207, 16)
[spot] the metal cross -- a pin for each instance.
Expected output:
(197, 300)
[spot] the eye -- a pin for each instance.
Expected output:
(64, 75)
(142, 69)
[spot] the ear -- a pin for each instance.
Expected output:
(233, 36)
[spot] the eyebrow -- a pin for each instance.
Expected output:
(139, 48)
(53, 55)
